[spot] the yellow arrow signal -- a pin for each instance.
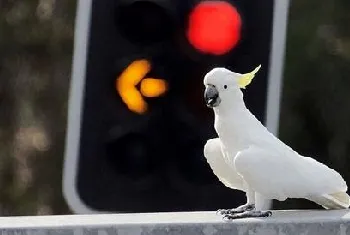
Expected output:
(150, 87)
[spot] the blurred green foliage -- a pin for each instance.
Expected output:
(315, 108)
(36, 38)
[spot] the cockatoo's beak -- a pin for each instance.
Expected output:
(211, 96)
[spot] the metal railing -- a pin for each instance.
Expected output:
(193, 223)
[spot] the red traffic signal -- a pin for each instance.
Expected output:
(214, 27)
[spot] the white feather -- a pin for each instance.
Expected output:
(215, 158)
(286, 176)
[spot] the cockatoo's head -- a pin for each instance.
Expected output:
(223, 85)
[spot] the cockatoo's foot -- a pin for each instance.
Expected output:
(247, 214)
(240, 209)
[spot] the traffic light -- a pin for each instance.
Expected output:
(137, 121)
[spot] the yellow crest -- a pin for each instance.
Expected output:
(246, 79)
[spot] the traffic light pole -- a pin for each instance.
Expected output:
(274, 86)
(279, 33)
(81, 38)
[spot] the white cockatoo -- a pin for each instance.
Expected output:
(247, 157)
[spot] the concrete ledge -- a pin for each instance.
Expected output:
(203, 223)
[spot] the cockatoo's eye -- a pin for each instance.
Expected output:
(225, 86)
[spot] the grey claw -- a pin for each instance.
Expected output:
(226, 218)
(247, 214)
(219, 211)
(268, 213)
(240, 209)
(222, 211)
(249, 207)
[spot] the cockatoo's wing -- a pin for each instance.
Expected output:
(289, 175)
(225, 173)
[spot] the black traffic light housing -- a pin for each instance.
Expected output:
(118, 160)
(155, 21)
